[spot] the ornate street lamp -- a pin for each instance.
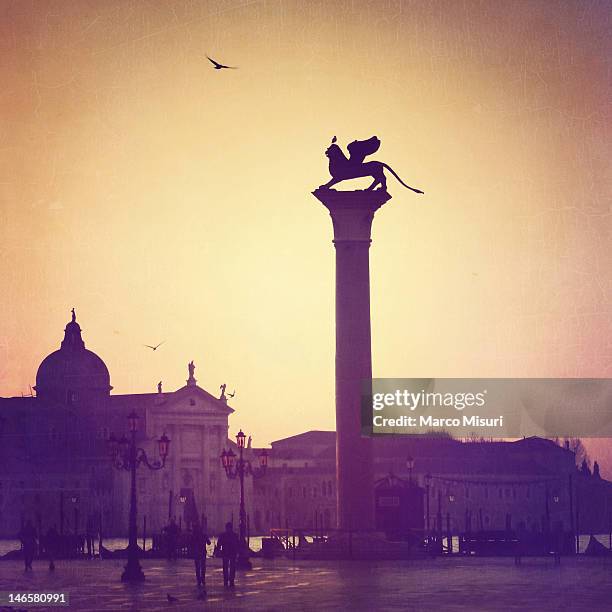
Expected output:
(126, 456)
(239, 470)
(410, 466)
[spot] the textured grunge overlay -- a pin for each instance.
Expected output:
(488, 407)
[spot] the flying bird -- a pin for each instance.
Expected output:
(154, 348)
(218, 66)
(231, 394)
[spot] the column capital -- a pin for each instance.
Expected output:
(352, 212)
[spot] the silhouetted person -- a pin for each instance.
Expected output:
(90, 532)
(52, 546)
(228, 545)
(197, 545)
(172, 533)
(27, 535)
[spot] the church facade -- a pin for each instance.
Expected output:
(57, 469)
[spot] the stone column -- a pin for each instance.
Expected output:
(352, 213)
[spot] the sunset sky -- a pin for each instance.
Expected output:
(165, 200)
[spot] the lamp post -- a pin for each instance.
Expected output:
(239, 470)
(427, 488)
(410, 466)
(75, 500)
(127, 457)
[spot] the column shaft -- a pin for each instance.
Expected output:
(353, 365)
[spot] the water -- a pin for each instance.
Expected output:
(119, 543)
(255, 543)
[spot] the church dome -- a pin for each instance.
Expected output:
(72, 373)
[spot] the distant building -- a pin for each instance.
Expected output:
(473, 485)
(54, 451)
(56, 468)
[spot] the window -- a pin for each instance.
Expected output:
(323, 488)
(103, 434)
(303, 491)
(192, 402)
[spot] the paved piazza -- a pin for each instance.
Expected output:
(433, 584)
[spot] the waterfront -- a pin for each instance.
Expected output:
(254, 543)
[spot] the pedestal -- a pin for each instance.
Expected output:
(352, 213)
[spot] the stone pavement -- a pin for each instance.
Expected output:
(432, 584)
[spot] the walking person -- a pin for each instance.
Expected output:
(198, 543)
(51, 546)
(27, 535)
(228, 545)
(89, 536)
(172, 536)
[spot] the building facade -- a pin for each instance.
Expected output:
(530, 484)
(55, 451)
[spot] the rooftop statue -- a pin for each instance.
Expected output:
(342, 168)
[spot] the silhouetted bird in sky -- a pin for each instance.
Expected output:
(231, 394)
(219, 66)
(154, 348)
(170, 598)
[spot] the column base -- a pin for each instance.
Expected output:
(133, 572)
